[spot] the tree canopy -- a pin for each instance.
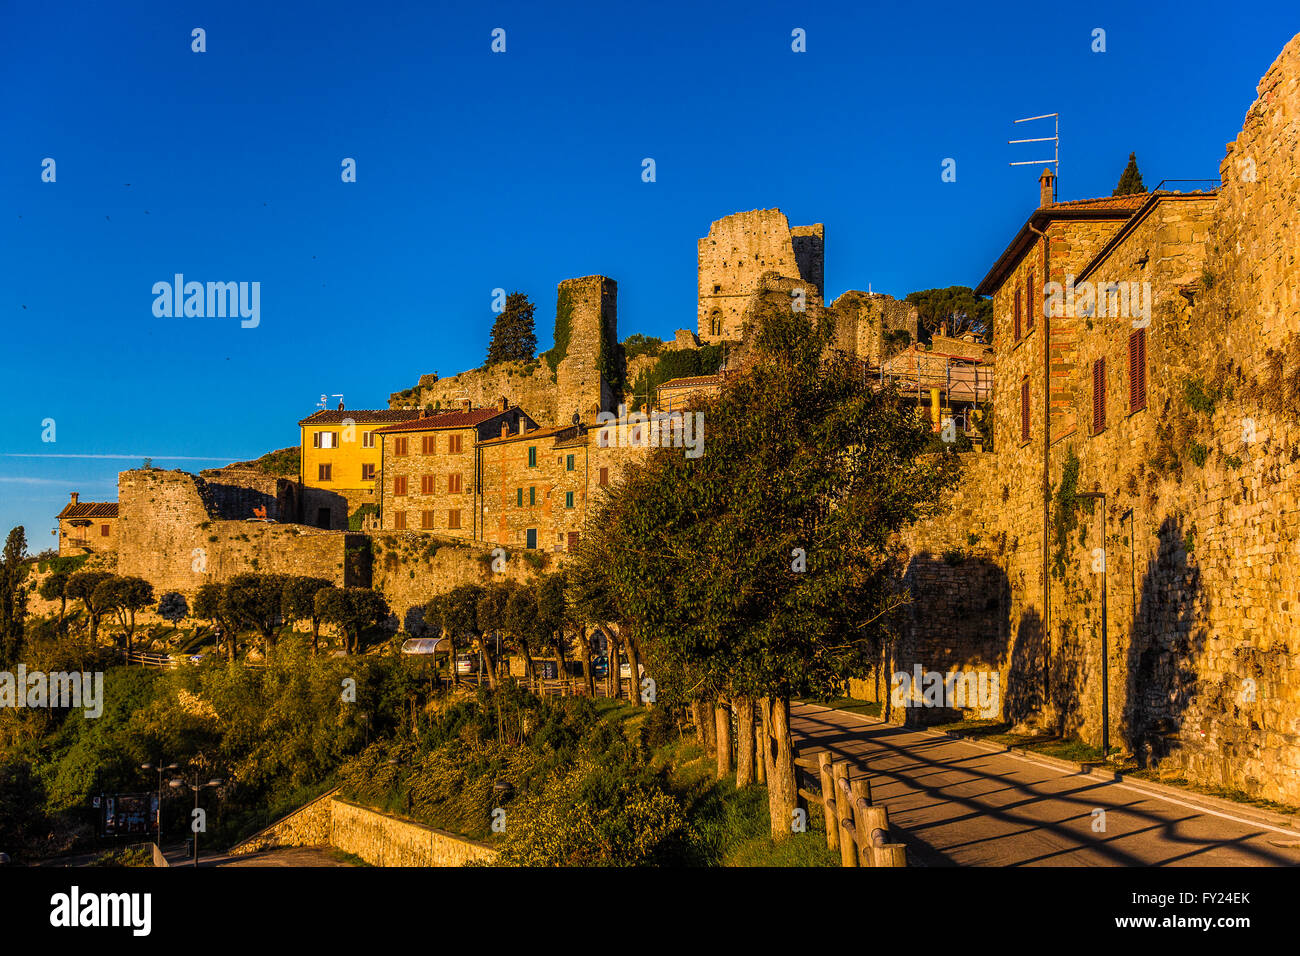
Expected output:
(1130, 181)
(954, 311)
(513, 334)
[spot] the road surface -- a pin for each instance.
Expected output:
(960, 805)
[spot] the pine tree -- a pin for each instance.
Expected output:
(513, 337)
(1131, 180)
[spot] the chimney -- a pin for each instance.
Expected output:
(505, 429)
(505, 403)
(75, 496)
(340, 408)
(1046, 188)
(469, 405)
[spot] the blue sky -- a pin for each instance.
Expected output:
(478, 170)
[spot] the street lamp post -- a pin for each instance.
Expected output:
(1105, 663)
(196, 786)
(162, 769)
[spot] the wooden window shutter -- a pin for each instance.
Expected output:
(1137, 370)
(1032, 302)
(1016, 336)
(1098, 395)
(1024, 409)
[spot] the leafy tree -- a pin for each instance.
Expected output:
(298, 603)
(83, 586)
(351, 610)
(954, 311)
(172, 607)
(13, 594)
(1130, 181)
(55, 588)
(123, 596)
(513, 335)
(555, 619)
(255, 600)
(458, 615)
(210, 605)
(491, 612)
(522, 625)
(770, 554)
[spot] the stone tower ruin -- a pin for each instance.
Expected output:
(736, 253)
(586, 312)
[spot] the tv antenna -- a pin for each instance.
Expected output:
(1055, 139)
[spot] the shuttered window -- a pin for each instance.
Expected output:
(399, 520)
(426, 485)
(1016, 330)
(1098, 395)
(604, 477)
(453, 484)
(453, 519)
(1137, 370)
(399, 446)
(1032, 302)
(426, 520)
(399, 485)
(1024, 409)
(455, 444)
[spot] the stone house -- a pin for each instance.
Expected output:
(430, 472)
(87, 526)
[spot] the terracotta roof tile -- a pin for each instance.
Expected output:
(89, 509)
(461, 419)
(362, 416)
(691, 380)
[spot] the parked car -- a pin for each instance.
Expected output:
(599, 665)
(466, 664)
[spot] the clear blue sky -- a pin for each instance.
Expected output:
(517, 170)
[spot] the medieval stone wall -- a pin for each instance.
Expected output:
(583, 377)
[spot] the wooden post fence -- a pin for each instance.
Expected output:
(859, 830)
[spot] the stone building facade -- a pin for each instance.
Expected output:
(1180, 410)
(339, 460)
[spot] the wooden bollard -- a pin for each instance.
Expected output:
(860, 791)
(844, 812)
(828, 801)
(891, 854)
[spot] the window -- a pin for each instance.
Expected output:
(325, 440)
(519, 497)
(426, 520)
(568, 499)
(1024, 409)
(453, 484)
(453, 519)
(367, 439)
(428, 444)
(532, 456)
(1016, 329)
(103, 531)
(399, 485)
(532, 537)
(426, 485)
(532, 497)
(1032, 302)
(367, 472)
(604, 438)
(323, 472)
(568, 463)
(604, 477)
(1137, 370)
(399, 520)
(399, 446)
(1098, 395)
(455, 444)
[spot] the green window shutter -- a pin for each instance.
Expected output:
(519, 497)
(532, 457)
(568, 463)
(568, 499)
(532, 497)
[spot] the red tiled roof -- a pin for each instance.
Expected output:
(461, 419)
(89, 509)
(361, 416)
(1131, 201)
(528, 436)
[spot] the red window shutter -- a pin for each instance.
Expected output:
(1137, 370)
(1024, 409)
(1031, 302)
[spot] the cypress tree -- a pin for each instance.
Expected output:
(513, 337)
(1130, 181)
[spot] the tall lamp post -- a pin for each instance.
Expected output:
(162, 770)
(1105, 662)
(196, 786)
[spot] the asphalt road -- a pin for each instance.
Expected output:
(959, 805)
